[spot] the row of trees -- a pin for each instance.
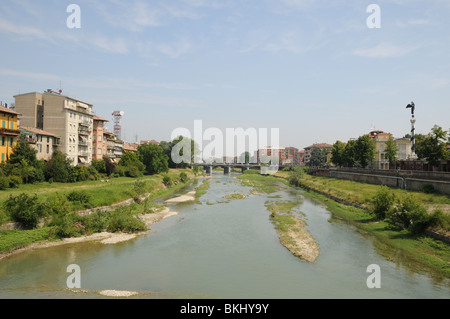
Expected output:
(23, 167)
(361, 152)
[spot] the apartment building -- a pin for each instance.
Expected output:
(308, 150)
(45, 143)
(380, 138)
(9, 132)
(99, 143)
(69, 118)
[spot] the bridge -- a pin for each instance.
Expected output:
(208, 167)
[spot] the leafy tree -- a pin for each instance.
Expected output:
(154, 159)
(99, 165)
(383, 202)
(338, 154)
(244, 158)
(349, 157)
(59, 168)
(432, 147)
(25, 210)
(391, 150)
(133, 166)
(23, 152)
(364, 150)
(318, 157)
(180, 143)
(109, 165)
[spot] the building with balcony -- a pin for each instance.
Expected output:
(69, 118)
(380, 138)
(45, 143)
(99, 147)
(9, 132)
(308, 151)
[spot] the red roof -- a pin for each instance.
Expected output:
(321, 145)
(98, 118)
(6, 110)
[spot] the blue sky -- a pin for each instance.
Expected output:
(311, 68)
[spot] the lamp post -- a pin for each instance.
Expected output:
(412, 106)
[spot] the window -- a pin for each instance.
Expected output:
(48, 140)
(99, 151)
(3, 141)
(3, 157)
(4, 124)
(48, 149)
(12, 125)
(99, 138)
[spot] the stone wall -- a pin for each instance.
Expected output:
(409, 180)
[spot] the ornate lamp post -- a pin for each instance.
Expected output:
(412, 106)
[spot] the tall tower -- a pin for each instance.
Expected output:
(117, 120)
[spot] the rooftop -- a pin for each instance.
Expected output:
(6, 110)
(37, 131)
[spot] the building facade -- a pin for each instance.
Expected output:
(69, 118)
(99, 143)
(45, 143)
(308, 150)
(9, 132)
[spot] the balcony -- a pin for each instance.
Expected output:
(8, 132)
(84, 132)
(82, 143)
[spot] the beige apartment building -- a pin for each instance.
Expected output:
(45, 143)
(69, 118)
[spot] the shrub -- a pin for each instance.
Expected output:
(120, 171)
(25, 210)
(123, 220)
(68, 225)
(96, 222)
(15, 181)
(167, 181)
(183, 177)
(57, 205)
(80, 197)
(383, 202)
(4, 182)
(296, 176)
(133, 171)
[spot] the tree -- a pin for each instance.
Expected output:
(23, 151)
(349, 154)
(391, 150)
(318, 157)
(154, 159)
(364, 150)
(244, 158)
(338, 154)
(133, 166)
(59, 168)
(432, 147)
(181, 143)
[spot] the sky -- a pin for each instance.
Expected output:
(311, 68)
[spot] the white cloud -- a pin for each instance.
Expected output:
(8, 27)
(384, 50)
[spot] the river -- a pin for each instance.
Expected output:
(219, 249)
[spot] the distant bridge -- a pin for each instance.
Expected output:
(208, 167)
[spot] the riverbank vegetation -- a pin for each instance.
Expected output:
(53, 213)
(395, 218)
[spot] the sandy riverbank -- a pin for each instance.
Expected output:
(104, 237)
(183, 198)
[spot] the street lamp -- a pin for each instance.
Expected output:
(412, 106)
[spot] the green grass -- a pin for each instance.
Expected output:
(14, 239)
(235, 196)
(102, 193)
(202, 189)
(260, 183)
